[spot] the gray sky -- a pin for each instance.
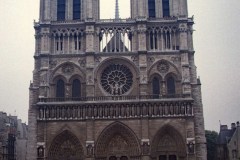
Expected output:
(216, 41)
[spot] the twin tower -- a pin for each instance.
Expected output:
(115, 89)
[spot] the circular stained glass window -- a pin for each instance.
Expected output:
(116, 79)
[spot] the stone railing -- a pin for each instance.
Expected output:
(110, 98)
(109, 110)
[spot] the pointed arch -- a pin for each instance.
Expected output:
(156, 87)
(76, 88)
(168, 142)
(117, 139)
(171, 83)
(58, 72)
(66, 146)
(60, 88)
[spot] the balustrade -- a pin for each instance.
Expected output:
(114, 111)
(111, 98)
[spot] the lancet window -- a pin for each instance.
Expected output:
(77, 42)
(60, 89)
(165, 8)
(163, 38)
(151, 9)
(171, 85)
(76, 88)
(76, 9)
(59, 43)
(156, 87)
(61, 9)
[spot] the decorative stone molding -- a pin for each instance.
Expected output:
(53, 63)
(163, 66)
(183, 28)
(134, 59)
(115, 111)
(68, 69)
(151, 59)
(82, 62)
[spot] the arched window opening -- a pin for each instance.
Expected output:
(61, 5)
(156, 87)
(153, 40)
(77, 42)
(167, 40)
(60, 92)
(171, 86)
(59, 43)
(151, 9)
(166, 8)
(76, 9)
(76, 88)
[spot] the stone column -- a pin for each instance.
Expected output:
(89, 9)
(90, 61)
(183, 9)
(47, 10)
(184, 59)
(200, 146)
(134, 8)
(32, 126)
(45, 41)
(70, 10)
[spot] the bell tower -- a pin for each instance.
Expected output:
(115, 89)
(158, 8)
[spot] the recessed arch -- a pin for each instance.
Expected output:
(168, 141)
(66, 146)
(117, 139)
(172, 69)
(57, 72)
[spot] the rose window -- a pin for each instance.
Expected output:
(116, 79)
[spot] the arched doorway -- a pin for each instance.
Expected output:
(168, 144)
(65, 146)
(117, 142)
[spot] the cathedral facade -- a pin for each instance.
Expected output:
(115, 89)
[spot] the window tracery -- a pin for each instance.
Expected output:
(116, 79)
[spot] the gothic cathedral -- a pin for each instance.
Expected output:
(115, 89)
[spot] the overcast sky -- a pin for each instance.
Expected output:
(216, 41)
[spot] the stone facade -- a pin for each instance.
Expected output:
(115, 89)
